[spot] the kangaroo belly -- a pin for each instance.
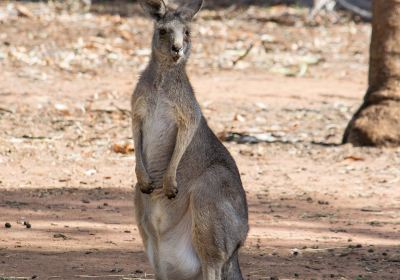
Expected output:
(170, 249)
(159, 134)
(178, 257)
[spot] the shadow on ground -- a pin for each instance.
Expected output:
(77, 233)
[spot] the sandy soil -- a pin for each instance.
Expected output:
(318, 209)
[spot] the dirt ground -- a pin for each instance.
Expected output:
(318, 209)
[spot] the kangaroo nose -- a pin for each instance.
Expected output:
(176, 48)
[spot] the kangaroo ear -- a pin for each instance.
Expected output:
(155, 8)
(189, 10)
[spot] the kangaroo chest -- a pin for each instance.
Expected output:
(159, 135)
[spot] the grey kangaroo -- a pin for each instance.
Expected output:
(190, 205)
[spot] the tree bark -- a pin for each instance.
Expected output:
(377, 121)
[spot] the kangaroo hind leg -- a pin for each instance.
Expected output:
(219, 220)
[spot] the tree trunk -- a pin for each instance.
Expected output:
(377, 121)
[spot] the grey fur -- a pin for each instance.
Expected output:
(194, 233)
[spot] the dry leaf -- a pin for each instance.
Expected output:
(222, 135)
(126, 35)
(62, 108)
(24, 12)
(123, 149)
(239, 117)
(355, 158)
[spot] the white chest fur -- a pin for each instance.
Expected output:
(159, 136)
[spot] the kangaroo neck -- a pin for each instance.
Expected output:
(163, 72)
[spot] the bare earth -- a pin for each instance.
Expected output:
(318, 210)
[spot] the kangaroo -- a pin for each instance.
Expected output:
(190, 204)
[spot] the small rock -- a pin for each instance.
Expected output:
(60, 235)
(27, 224)
(7, 225)
(90, 172)
(394, 258)
(323, 202)
(116, 270)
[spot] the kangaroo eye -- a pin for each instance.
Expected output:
(187, 33)
(162, 31)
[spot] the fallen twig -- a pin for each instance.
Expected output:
(6, 110)
(243, 55)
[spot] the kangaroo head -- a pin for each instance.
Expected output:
(171, 39)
